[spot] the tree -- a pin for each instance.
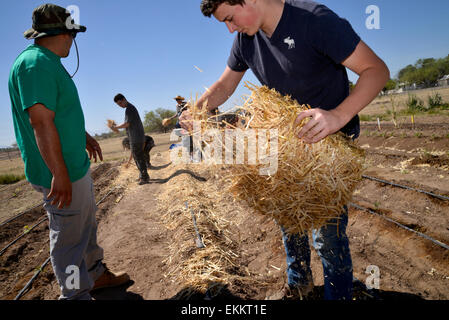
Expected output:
(351, 86)
(390, 85)
(425, 72)
(153, 120)
(405, 72)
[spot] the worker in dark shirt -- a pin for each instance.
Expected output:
(136, 135)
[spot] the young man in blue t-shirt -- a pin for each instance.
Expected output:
(302, 49)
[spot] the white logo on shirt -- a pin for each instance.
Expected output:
(290, 42)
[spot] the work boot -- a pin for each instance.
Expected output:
(293, 293)
(109, 279)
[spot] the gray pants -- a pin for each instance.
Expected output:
(75, 255)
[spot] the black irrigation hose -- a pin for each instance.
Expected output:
(119, 187)
(28, 285)
(408, 188)
(445, 246)
(20, 214)
(28, 210)
(199, 242)
(21, 236)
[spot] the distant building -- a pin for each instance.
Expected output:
(444, 81)
(402, 87)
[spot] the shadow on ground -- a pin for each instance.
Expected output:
(151, 167)
(217, 292)
(116, 293)
(360, 293)
(177, 173)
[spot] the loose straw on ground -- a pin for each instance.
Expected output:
(201, 270)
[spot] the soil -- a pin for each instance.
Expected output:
(137, 238)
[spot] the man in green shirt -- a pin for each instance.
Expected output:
(50, 132)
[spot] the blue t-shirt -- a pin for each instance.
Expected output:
(303, 56)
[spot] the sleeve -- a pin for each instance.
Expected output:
(235, 60)
(127, 115)
(331, 35)
(37, 86)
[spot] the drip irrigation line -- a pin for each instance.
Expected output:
(20, 214)
(198, 241)
(119, 187)
(406, 187)
(28, 285)
(21, 236)
(445, 246)
(46, 218)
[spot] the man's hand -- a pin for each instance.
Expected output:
(321, 124)
(93, 148)
(61, 190)
(186, 120)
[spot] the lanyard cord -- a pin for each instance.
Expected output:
(77, 57)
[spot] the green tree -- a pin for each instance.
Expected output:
(425, 72)
(153, 120)
(351, 86)
(390, 85)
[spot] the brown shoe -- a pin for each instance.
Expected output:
(109, 280)
(292, 293)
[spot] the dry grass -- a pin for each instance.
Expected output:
(112, 150)
(210, 269)
(381, 104)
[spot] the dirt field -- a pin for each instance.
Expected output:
(142, 231)
(382, 104)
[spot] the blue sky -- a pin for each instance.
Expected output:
(148, 50)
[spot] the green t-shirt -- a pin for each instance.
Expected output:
(38, 76)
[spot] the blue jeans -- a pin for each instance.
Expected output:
(332, 246)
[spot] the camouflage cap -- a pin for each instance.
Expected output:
(50, 20)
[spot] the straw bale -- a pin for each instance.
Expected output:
(312, 183)
(165, 122)
(112, 125)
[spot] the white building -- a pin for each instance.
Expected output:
(444, 81)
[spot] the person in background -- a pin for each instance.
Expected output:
(136, 136)
(149, 144)
(180, 108)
